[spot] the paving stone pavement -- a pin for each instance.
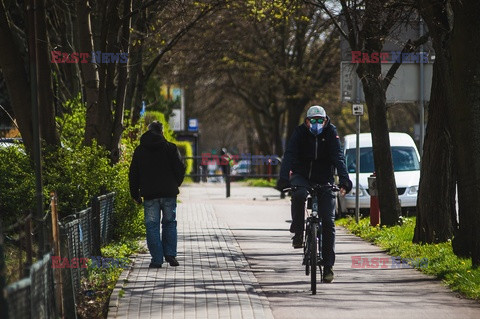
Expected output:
(237, 262)
(213, 280)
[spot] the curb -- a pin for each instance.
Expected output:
(115, 296)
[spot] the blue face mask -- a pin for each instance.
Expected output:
(316, 128)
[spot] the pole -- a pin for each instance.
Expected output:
(357, 159)
(37, 153)
(3, 281)
(357, 171)
(56, 247)
(422, 98)
(227, 179)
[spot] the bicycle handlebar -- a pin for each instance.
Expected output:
(315, 187)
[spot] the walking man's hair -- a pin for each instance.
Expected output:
(156, 127)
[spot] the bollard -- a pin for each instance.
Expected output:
(227, 180)
(374, 206)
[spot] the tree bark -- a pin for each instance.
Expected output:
(436, 209)
(121, 86)
(375, 89)
(89, 70)
(465, 116)
(16, 79)
(46, 107)
(375, 97)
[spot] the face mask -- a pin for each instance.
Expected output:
(316, 128)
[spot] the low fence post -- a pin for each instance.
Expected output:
(28, 243)
(56, 251)
(3, 281)
(96, 222)
(69, 304)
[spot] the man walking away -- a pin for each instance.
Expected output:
(155, 174)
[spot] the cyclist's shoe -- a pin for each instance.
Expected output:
(297, 240)
(327, 274)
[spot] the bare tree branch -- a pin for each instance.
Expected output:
(409, 47)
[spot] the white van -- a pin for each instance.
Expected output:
(406, 166)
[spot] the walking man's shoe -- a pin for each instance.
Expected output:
(327, 274)
(297, 240)
(155, 265)
(172, 261)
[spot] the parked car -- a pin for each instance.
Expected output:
(241, 169)
(406, 165)
(6, 142)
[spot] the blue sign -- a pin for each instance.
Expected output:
(193, 125)
(143, 110)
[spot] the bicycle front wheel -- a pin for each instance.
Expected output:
(313, 258)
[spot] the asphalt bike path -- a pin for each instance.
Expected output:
(236, 261)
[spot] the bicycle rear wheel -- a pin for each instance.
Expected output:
(313, 258)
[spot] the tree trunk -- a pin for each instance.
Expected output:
(375, 97)
(295, 109)
(89, 70)
(436, 209)
(121, 86)
(465, 116)
(44, 75)
(13, 69)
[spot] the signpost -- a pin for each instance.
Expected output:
(357, 110)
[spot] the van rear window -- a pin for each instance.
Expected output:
(404, 159)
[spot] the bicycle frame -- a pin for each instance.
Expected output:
(312, 249)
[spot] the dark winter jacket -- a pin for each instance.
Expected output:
(156, 170)
(315, 157)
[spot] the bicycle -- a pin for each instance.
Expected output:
(312, 249)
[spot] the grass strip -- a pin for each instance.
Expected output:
(456, 272)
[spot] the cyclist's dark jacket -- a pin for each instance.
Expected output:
(156, 170)
(315, 157)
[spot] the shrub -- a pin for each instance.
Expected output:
(17, 184)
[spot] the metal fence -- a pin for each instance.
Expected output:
(43, 295)
(214, 168)
(33, 297)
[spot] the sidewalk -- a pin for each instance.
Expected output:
(236, 262)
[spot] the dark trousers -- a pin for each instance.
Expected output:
(326, 207)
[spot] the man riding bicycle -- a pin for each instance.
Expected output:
(312, 153)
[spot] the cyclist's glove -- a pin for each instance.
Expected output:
(346, 184)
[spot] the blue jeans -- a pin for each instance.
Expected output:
(167, 244)
(326, 206)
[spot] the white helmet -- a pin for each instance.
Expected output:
(316, 110)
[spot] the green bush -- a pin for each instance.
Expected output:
(186, 150)
(17, 184)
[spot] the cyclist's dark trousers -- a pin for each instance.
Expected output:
(326, 207)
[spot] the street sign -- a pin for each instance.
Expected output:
(193, 125)
(404, 88)
(357, 109)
